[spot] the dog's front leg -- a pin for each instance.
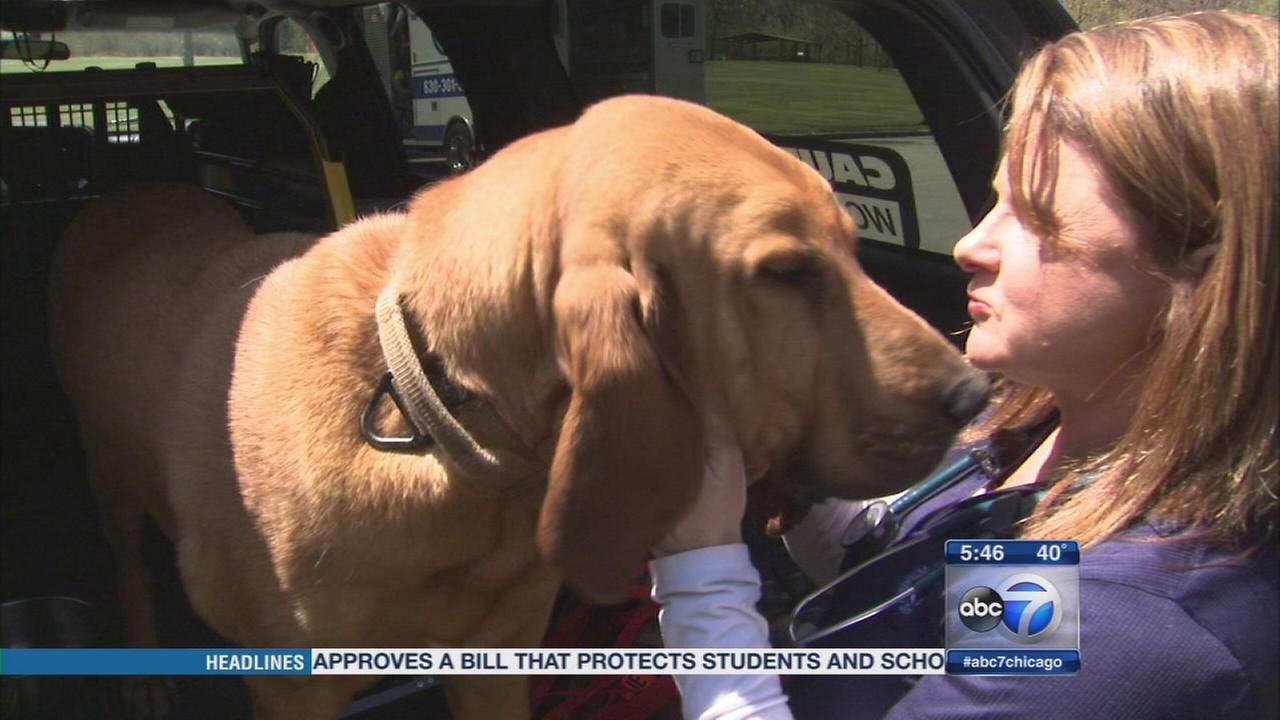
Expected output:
(123, 519)
(525, 612)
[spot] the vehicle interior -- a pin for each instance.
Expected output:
(295, 126)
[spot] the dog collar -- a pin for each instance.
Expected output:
(425, 400)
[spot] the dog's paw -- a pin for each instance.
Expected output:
(148, 697)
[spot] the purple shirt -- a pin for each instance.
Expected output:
(1168, 630)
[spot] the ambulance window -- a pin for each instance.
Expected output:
(678, 20)
(814, 82)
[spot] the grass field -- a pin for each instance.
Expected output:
(809, 98)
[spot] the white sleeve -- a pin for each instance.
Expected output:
(708, 598)
(814, 543)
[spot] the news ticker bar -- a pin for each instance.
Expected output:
(453, 661)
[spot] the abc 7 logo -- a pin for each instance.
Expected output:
(1025, 607)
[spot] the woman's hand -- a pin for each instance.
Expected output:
(715, 518)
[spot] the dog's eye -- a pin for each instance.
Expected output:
(792, 268)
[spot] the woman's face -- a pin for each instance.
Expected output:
(1071, 314)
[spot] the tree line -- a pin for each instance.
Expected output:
(1091, 13)
(831, 35)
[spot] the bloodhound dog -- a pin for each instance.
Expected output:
(409, 432)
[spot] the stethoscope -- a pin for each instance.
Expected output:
(876, 526)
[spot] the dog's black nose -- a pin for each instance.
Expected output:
(967, 397)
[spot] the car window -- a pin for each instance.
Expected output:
(144, 42)
(139, 43)
(821, 87)
(807, 76)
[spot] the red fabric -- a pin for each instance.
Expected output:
(604, 697)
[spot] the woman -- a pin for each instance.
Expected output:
(1124, 284)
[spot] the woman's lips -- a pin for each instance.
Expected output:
(978, 310)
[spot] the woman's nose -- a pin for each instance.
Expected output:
(975, 252)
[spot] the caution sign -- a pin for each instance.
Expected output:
(872, 183)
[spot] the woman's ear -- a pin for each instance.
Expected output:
(631, 448)
(1198, 260)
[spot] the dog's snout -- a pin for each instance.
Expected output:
(966, 398)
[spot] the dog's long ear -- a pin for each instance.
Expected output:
(630, 453)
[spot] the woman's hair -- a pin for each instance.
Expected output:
(1180, 115)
